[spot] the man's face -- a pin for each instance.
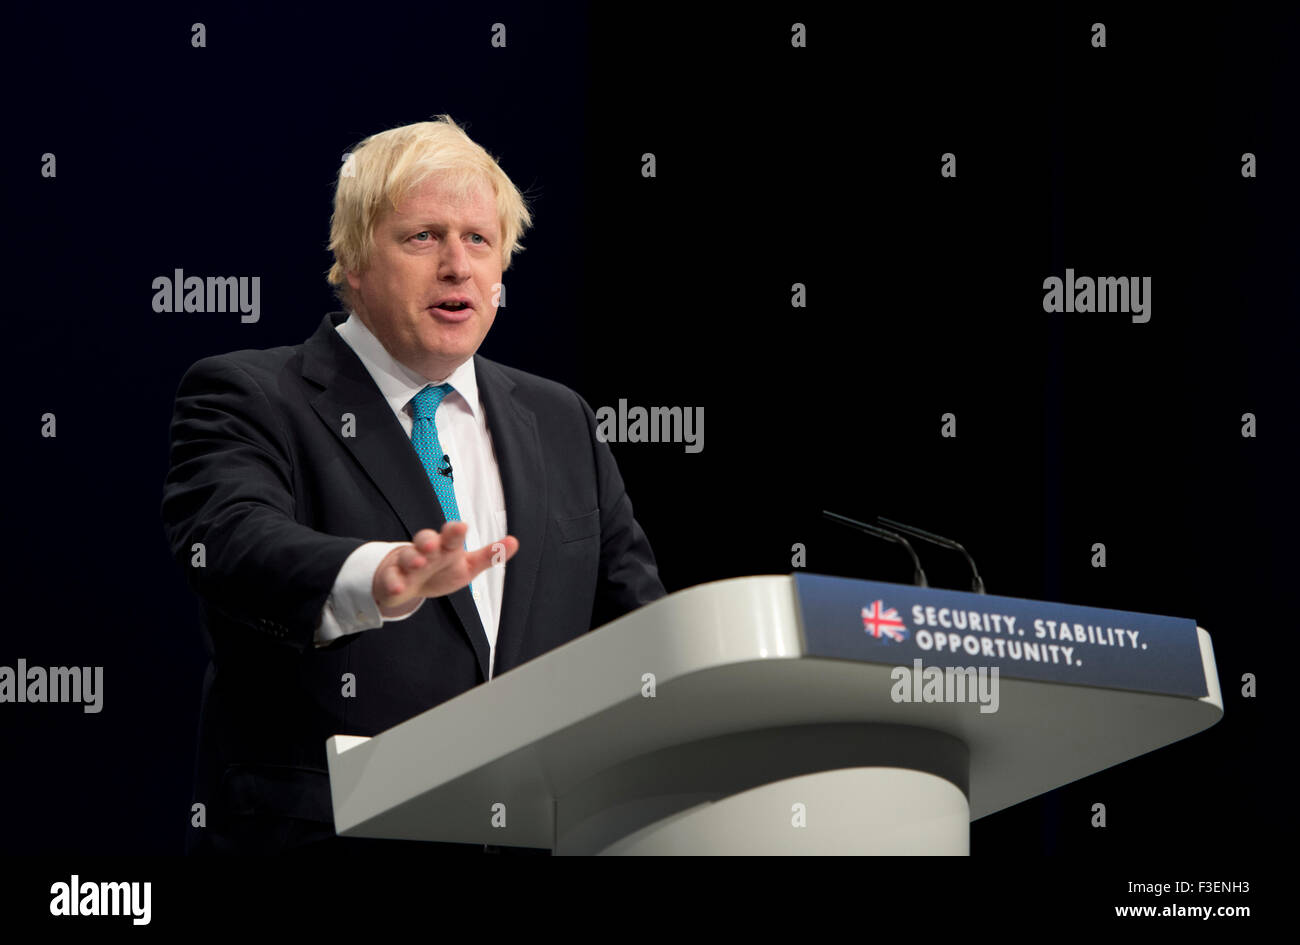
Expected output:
(429, 251)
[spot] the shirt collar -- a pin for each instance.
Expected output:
(397, 382)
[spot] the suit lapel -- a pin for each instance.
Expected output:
(516, 442)
(384, 451)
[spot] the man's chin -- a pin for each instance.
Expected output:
(445, 353)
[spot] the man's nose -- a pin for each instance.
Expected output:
(453, 260)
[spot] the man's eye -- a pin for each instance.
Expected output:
(479, 237)
(421, 233)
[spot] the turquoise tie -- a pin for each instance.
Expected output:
(424, 436)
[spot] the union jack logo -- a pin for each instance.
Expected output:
(879, 622)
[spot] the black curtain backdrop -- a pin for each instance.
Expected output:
(775, 165)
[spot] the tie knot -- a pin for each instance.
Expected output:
(425, 404)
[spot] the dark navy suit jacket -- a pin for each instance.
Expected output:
(263, 477)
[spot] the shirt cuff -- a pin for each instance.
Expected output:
(351, 606)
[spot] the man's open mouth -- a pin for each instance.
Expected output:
(452, 306)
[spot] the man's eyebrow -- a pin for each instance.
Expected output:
(472, 225)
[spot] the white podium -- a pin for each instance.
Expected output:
(750, 742)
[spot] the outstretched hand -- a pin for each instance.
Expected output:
(433, 565)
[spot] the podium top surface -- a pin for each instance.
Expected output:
(735, 656)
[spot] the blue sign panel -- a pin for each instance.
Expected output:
(844, 618)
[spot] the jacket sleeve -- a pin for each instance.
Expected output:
(629, 575)
(229, 489)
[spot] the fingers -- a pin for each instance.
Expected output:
(453, 536)
(510, 545)
(437, 563)
(409, 560)
(430, 547)
(389, 582)
(409, 565)
(426, 539)
(498, 552)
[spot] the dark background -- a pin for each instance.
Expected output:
(775, 166)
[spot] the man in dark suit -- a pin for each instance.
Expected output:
(341, 506)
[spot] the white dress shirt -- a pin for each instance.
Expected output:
(464, 437)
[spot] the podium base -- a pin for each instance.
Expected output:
(859, 811)
(896, 790)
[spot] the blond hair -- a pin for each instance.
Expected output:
(383, 169)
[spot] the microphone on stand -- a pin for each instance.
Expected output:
(977, 582)
(918, 575)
